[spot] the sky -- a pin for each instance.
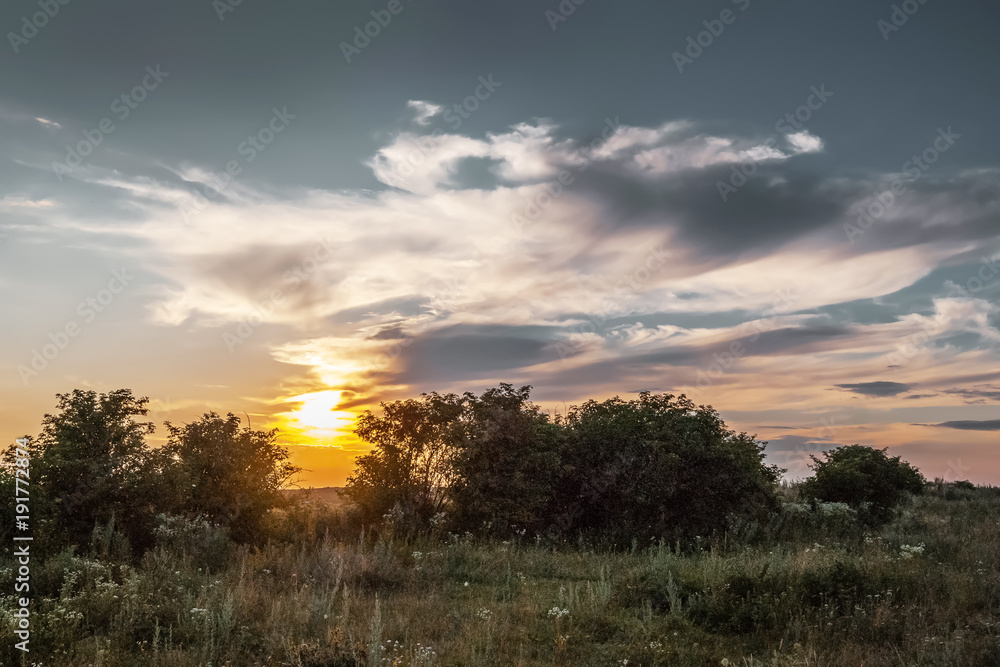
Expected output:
(788, 210)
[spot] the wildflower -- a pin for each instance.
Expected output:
(558, 613)
(484, 613)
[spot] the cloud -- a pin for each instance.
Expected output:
(804, 142)
(880, 388)
(677, 146)
(972, 425)
(424, 111)
(430, 281)
(976, 394)
(11, 203)
(48, 123)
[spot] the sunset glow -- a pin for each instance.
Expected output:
(808, 242)
(316, 418)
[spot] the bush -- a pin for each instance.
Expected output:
(659, 466)
(230, 475)
(409, 470)
(865, 478)
(91, 468)
(506, 462)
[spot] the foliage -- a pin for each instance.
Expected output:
(916, 591)
(96, 484)
(659, 466)
(410, 467)
(232, 476)
(655, 466)
(505, 464)
(867, 479)
(91, 466)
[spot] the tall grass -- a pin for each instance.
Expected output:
(813, 588)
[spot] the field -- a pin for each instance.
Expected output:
(812, 589)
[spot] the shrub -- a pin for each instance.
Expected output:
(232, 476)
(505, 463)
(91, 467)
(865, 478)
(659, 466)
(409, 470)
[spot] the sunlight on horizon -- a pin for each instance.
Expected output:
(316, 417)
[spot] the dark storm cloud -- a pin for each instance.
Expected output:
(881, 388)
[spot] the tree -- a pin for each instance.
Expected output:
(865, 478)
(410, 469)
(91, 465)
(658, 466)
(231, 475)
(506, 462)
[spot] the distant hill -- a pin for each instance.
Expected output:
(328, 495)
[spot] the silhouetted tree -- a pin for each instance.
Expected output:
(658, 466)
(865, 478)
(91, 463)
(230, 474)
(410, 468)
(506, 462)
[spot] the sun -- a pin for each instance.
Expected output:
(317, 415)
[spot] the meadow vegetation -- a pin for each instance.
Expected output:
(480, 532)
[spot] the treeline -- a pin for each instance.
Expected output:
(620, 471)
(93, 473)
(658, 466)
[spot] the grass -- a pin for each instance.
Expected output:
(814, 588)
